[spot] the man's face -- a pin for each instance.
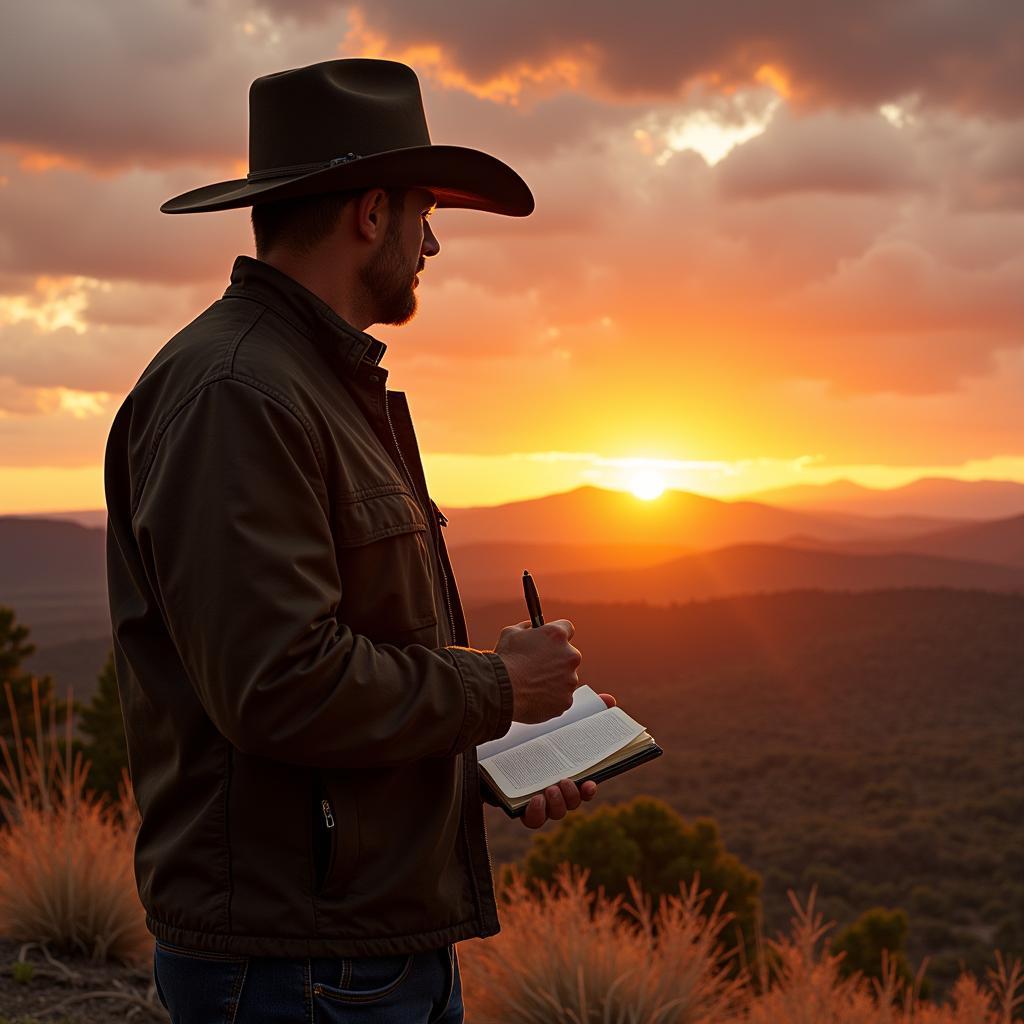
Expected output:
(392, 274)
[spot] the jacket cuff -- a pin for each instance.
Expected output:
(488, 692)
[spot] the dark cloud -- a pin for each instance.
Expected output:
(66, 222)
(828, 153)
(966, 56)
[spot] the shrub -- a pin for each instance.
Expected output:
(66, 874)
(566, 955)
(646, 840)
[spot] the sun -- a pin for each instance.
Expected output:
(646, 486)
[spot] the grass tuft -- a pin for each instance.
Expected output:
(66, 872)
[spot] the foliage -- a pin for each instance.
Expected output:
(14, 649)
(101, 721)
(568, 954)
(66, 872)
(648, 841)
(878, 936)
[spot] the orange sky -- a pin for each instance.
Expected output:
(767, 249)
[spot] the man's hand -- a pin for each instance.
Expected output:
(556, 801)
(541, 665)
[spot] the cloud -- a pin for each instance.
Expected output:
(66, 222)
(826, 153)
(960, 56)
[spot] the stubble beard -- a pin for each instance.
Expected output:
(389, 279)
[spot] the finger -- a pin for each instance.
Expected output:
(565, 625)
(588, 789)
(608, 699)
(535, 815)
(525, 624)
(555, 802)
(570, 793)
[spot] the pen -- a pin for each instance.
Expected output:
(532, 600)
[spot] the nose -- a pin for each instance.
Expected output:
(431, 246)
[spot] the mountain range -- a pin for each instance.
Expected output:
(584, 545)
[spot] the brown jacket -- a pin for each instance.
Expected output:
(301, 704)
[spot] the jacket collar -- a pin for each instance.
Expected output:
(350, 348)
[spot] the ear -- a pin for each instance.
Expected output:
(371, 210)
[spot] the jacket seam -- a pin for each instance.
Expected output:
(230, 888)
(469, 698)
(241, 378)
(317, 940)
(182, 402)
(380, 532)
(377, 491)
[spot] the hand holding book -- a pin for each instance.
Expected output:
(590, 740)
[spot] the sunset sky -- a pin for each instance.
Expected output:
(775, 242)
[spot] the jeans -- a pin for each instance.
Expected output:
(200, 987)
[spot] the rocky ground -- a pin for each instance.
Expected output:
(37, 985)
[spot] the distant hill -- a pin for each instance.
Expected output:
(929, 496)
(38, 553)
(494, 571)
(1000, 542)
(765, 568)
(91, 517)
(594, 515)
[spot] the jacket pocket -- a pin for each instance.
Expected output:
(386, 565)
(335, 838)
(374, 513)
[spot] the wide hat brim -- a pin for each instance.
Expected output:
(459, 177)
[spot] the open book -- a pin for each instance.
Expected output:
(589, 740)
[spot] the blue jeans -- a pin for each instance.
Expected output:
(199, 987)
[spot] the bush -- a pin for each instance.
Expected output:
(646, 840)
(566, 955)
(66, 873)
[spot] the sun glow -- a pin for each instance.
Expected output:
(646, 486)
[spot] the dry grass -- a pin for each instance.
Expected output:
(805, 987)
(66, 874)
(568, 957)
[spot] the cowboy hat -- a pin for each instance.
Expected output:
(349, 124)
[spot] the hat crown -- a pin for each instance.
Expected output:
(326, 110)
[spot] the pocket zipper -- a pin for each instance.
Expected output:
(328, 813)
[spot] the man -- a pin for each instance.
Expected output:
(301, 702)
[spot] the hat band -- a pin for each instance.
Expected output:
(295, 169)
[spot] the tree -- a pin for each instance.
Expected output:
(102, 723)
(648, 840)
(14, 649)
(863, 941)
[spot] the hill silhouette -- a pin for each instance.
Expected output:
(929, 496)
(1000, 541)
(594, 515)
(762, 568)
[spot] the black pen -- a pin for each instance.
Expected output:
(532, 600)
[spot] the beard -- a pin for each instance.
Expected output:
(388, 278)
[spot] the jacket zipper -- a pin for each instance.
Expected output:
(444, 575)
(443, 520)
(328, 815)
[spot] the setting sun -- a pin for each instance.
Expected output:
(647, 486)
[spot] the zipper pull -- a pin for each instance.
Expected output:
(328, 815)
(441, 517)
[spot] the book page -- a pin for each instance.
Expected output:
(584, 702)
(545, 759)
